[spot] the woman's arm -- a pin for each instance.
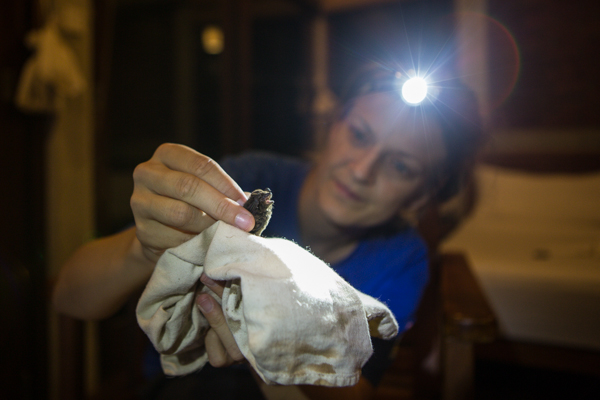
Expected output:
(177, 194)
(99, 277)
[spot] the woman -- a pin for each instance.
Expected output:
(382, 160)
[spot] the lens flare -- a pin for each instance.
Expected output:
(414, 90)
(489, 57)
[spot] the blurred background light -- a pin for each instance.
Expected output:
(213, 39)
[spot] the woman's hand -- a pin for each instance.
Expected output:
(222, 350)
(177, 194)
(220, 344)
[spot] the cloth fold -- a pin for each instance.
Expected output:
(294, 319)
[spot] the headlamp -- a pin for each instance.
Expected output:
(412, 89)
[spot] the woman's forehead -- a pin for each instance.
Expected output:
(388, 117)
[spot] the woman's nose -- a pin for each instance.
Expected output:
(364, 165)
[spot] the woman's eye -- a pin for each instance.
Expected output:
(401, 168)
(359, 136)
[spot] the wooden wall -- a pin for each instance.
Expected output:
(23, 349)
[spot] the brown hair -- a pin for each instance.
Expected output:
(454, 107)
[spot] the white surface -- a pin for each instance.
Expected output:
(534, 245)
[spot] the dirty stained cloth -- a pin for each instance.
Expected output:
(295, 320)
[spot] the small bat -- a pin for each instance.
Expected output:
(261, 206)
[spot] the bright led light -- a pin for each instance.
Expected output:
(414, 90)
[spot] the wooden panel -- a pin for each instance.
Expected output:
(23, 300)
(546, 163)
(542, 356)
(467, 314)
(558, 46)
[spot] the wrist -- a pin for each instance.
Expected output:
(141, 258)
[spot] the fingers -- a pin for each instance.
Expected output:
(216, 286)
(221, 348)
(170, 212)
(156, 238)
(163, 223)
(179, 193)
(201, 195)
(198, 183)
(185, 159)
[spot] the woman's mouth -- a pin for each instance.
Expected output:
(346, 192)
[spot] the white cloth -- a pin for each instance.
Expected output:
(294, 319)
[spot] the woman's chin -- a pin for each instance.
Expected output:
(345, 217)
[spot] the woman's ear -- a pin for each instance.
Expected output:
(425, 196)
(418, 203)
(413, 209)
(429, 194)
(421, 201)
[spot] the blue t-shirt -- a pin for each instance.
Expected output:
(392, 268)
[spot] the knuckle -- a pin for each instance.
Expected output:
(141, 232)
(143, 238)
(139, 172)
(138, 206)
(222, 208)
(216, 321)
(179, 214)
(235, 354)
(186, 186)
(201, 165)
(134, 202)
(162, 149)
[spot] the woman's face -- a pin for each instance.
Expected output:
(378, 161)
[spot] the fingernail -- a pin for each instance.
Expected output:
(243, 221)
(242, 201)
(205, 304)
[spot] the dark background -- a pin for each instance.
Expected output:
(155, 84)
